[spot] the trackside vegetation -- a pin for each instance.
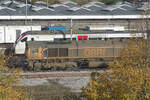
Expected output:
(8, 82)
(128, 78)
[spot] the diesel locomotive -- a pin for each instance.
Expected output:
(41, 55)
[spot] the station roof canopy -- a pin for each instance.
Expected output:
(14, 10)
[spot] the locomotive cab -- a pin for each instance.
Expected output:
(20, 47)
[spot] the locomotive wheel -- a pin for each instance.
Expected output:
(45, 66)
(30, 65)
(60, 66)
(37, 66)
(71, 66)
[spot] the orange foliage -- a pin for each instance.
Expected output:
(128, 78)
(8, 81)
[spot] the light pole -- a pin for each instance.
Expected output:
(26, 13)
(71, 29)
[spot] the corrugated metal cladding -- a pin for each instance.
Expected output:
(14, 10)
(57, 52)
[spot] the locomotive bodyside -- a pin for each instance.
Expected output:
(46, 54)
(81, 52)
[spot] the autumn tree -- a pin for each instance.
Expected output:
(8, 82)
(128, 78)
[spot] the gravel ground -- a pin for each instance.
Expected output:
(74, 83)
(34, 81)
(60, 72)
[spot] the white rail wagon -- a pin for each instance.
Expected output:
(9, 34)
(106, 28)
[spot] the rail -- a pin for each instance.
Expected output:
(56, 74)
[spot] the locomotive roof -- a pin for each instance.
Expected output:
(68, 44)
(44, 32)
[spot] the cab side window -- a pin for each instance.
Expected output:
(34, 50)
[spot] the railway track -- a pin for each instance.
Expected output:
(56, 74)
